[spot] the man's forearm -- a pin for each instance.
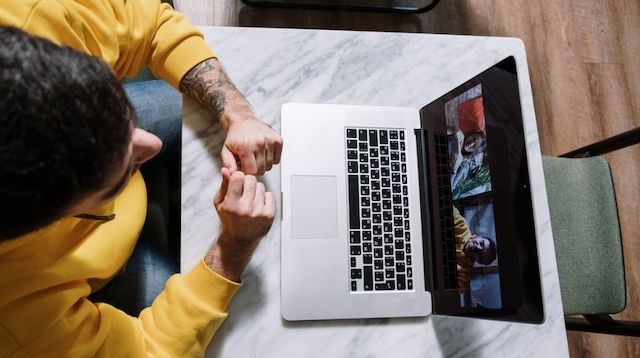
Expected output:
(208, 83)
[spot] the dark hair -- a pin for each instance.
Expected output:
(65, 124)
(493, 251)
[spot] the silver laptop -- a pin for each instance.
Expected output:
(373, 198)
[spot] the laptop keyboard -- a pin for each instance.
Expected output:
(380, 242)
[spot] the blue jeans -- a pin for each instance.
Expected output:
(158, 107)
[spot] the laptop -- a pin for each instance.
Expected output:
(405, 212)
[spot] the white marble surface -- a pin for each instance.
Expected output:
(274, 66)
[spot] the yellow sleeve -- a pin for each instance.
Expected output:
(127, 34)
(461, 229)
(180, 322)
(462, 236)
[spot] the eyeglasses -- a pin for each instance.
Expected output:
(103, 218)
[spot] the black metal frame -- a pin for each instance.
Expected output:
(604, 146)
(388, 9)
(604, 323)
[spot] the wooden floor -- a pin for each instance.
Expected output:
(584, 61)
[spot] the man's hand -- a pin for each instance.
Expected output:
(246, 212)
(251, 145)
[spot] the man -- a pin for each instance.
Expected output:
(470, 249)
(129, 35)
(72, 203)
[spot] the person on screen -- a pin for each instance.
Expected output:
(72, 204)
(472, 125)
(470, 249)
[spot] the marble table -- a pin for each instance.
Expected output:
(275, 66)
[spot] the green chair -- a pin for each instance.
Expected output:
(586, 233)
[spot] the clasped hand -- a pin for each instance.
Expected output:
(252, 147)
(246, 211)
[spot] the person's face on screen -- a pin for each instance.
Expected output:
(473, 143)
(479, 248)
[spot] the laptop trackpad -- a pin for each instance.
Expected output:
(314, 207)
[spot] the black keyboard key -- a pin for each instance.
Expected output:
(398, 232)
(387, 227)
(384, 150)
(409, 271)
(378, 264)
(376, 207)
(393, 135)
(352, 143)
(352, 167)
(351, 133)
(366, 247)
(353, 262)
(408, 259)
(393, 145)
(375, 174)
(388, 262)
(366, 236)
(364, 168)
(400, 282)
(367, 259)
(399, 244)
(355, 250)
(377, 229)
(377, 241)
(368, 278)
(384, 137)
(354, 237)
(377, 253)
(388, 251)
(410, 284)
(400, 267)
(388, 238)
(364, 157)
(354, 202)
(399, 255)
(379, 276)
(352, 154)
(363, 146)
(402, 135)
(354, 286)
(356, 273)
(362, 134)
(384, 287)
(389, 273)
(373, 137)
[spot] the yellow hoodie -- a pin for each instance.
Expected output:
(46, 276)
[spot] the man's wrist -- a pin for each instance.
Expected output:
(228, 261)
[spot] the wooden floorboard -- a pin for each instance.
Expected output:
(584, 62)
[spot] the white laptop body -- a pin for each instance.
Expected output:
(315, 234)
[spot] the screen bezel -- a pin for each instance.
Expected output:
(519, 272)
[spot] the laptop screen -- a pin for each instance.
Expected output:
(482, 235)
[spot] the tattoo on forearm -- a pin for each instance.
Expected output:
(206, 83)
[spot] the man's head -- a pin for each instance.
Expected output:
(67, 137)
(481, 249)
(474, 142)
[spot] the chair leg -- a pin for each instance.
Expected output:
(603, 324)
(317, 6)
(619, 141)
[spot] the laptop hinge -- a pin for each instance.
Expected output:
(426, 206)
